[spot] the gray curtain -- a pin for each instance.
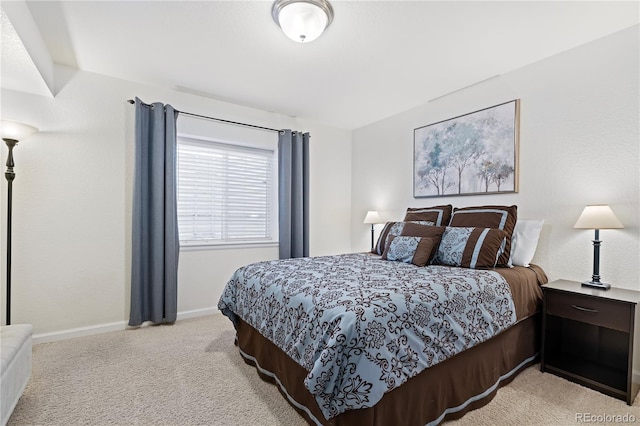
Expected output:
(155, 241)
(293, 193)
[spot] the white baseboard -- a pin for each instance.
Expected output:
(106, 328)
(78, 332)
(197, 313)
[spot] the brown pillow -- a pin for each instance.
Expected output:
(434, 233)
(395, 228)
(416, 250)
(439, 215)
(476, 248)
(496, 217)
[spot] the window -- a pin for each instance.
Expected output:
(226, 193)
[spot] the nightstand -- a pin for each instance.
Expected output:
(588, 336)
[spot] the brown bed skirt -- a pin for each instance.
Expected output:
(448, 390)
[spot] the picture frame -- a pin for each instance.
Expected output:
(471, 154)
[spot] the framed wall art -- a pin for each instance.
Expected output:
(472, 154)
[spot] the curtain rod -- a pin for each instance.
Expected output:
(131, 101)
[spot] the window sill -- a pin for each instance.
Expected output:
(226, 246)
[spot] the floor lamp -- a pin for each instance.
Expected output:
(12, 133)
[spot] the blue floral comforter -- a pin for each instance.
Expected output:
(362, 326)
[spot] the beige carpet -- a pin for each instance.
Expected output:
(190, 373)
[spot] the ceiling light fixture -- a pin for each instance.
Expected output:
(302, 20)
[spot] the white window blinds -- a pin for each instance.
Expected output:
(225, 193)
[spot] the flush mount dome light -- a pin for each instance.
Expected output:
(302, 20)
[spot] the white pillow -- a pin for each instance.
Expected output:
(524, 241)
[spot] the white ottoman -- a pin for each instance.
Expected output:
(15, 351)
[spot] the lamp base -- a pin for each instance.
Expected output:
(599, 285)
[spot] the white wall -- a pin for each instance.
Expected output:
(72, 203)
(72, 195)
(579, 143)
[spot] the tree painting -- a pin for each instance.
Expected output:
(475, 153)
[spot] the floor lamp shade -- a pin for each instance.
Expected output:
(12, 132)
(597, 217)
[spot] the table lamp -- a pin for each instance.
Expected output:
(597, 217)
(372, 217)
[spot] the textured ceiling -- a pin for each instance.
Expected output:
(18, 70)
(376, 59)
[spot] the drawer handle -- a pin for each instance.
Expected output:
(580, 308)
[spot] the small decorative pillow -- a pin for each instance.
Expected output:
(439, 215)
(395, 228)
(475, 248)
(411, 229)
(414, 250)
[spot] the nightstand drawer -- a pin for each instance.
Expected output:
(597, 311)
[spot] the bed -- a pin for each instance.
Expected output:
(371, 339)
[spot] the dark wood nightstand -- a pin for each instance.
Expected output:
(588, 336)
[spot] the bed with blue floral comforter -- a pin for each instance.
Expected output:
(361, 326)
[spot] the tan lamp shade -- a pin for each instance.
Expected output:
(598, 217)
(372, 217)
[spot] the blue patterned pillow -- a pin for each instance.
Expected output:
(476, 248)
(416, 250)
(395, 228)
